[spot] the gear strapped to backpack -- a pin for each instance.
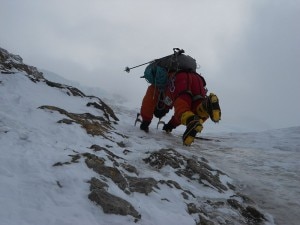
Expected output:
(156, 72)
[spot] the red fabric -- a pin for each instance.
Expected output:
(185, 86)
(149, 102)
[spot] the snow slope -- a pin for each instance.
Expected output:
(35, 191)
(266, 166)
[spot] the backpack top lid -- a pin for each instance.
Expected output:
(177, 62)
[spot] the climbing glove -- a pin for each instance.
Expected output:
(145, 126)
(168, 127)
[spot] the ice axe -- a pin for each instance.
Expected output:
(160, 122)
(177, 51)
(138, 119)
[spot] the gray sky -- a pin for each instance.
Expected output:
(249, 50)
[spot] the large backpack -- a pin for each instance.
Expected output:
(157, 71)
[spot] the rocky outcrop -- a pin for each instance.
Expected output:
(93, 125)
(199, 170)
(237, 209)
(190, 168)
(108, 112)
(69, 90)
(110, 204)
(10, 63)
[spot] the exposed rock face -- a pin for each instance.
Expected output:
(251, 214)
(110, 203)
(203, 173)
(240, 208)
(94, 125)
(10, 63)
(70, 90)
(194, 170)
(108, 112)
(124, 181)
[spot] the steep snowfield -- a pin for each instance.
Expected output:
(33, 191)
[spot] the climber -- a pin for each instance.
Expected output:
(186, 92)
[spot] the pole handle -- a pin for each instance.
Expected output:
(178, 51)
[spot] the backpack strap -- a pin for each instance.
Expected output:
(199, 97)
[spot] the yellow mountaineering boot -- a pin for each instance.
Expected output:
(213, 108)
(201, 111)
(193, 126)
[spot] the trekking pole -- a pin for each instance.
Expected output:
(177, 51)
(127, 69)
